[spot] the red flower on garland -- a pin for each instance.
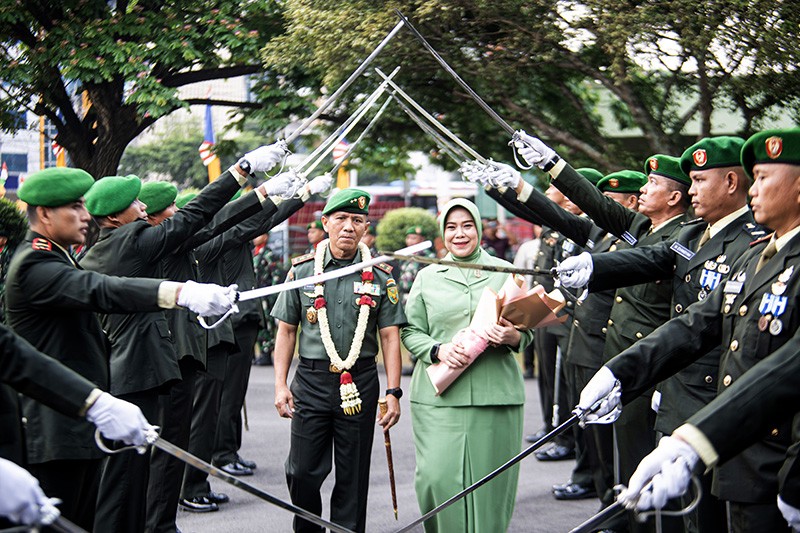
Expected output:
(319, 302)
(367, 276)
(365, 300)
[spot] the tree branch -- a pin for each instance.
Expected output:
(226, 103)
(193, 76)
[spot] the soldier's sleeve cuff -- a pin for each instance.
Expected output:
(700, 443)
(276, 200)
(557, 168)
(89, 402)
(260, 196)
(240, 179)
(305, 194)
(525, 193)
(168, 294)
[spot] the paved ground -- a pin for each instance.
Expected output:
(267, 443)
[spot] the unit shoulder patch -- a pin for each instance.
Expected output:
(42, 244)
(385, 267)
(302, 259)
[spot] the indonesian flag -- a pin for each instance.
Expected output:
(57, 148)
(206, 149)
(340, 150)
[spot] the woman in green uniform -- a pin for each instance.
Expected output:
(475, 425)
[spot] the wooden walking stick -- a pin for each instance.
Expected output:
(387, 441)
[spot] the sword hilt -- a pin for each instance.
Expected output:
(516, 142)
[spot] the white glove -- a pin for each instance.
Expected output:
(118, 420)
(603, 386)
(264, 158)
(790, 514)
(474, 172)
(501, 175)
(22, 499)
(285, 185)
(669, 467)
(533, 150)
(207, 299)
(320, 184)
(575, 271)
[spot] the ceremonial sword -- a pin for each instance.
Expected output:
(516, 140)
(312, 280)
(155, 440)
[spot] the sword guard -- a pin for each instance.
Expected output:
(516, 142)
(152, 434)
(229, 312)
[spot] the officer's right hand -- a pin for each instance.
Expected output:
(533, 150)
(320, 184)
(575, 271)
(474, 172)
(118, 420)
(264, 158)
(22, 498)
(502, 175)
(790, 514)
(284, 401)
(603, 388)
(285, 185)
(207, 299)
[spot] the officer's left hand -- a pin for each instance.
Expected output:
(392, 412)
(207, 299)
(790, 514)
(503, 332)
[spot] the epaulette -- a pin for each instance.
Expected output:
(42, 244)
(385, 267)
(693, 221)
(756, 231)
(303, 258)
(762, 239)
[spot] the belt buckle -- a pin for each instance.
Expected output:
(333, 369)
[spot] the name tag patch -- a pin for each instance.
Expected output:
(366, 288)
(681, 250)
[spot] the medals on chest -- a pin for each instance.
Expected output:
(773, 304)
(732, 289)
(711, 275)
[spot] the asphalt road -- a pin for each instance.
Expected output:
(267, 443)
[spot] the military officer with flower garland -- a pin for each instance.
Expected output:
(752, 315)
(334, 394)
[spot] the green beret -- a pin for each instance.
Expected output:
(184, 198)
(112, 194)
(372, 230)
(315, 224)
(590, 174)
(628, 181)
(712, 152)
(157, 195)
(668, 167)
(55, 186)
(415, 230)
(349, 201)
(770, 146)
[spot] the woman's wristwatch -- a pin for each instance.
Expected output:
(397, 392)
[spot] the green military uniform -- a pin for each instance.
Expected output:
(319, 423)
(144, 362)
(751, 315)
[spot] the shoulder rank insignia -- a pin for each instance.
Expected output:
(754, 230)
(42, 244)
(385, 267)
(762, 239)
(302, 259)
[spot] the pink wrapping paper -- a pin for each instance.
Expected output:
(523, 307)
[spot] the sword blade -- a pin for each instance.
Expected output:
(508, 464)
(367, 129)
(472, 266)
(595, 522)
(349, 81)
(475, 96)
(198, 463)
(325, 276)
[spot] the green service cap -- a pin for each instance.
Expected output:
(771, 146)
(315, 224)
(112, 194)
(628, 181)
(590, 174)
(55, 186)
(349, 201)
(668, 167)
(712, 152)
(184, 198)
(157, 195)
(415, 230)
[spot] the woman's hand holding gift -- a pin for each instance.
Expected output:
(503, 332)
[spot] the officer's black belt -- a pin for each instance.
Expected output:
(362, 363)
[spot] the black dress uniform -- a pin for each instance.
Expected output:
(751, 316)
(143, 357)
(319, 425)
(52, 304)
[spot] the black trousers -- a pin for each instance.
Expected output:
(122, 496)
(750, 517)
(166, 471)
(545, 345)
(234, 389)
(205, 416)
(582, 472)
(75, 482)
(320, 427)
